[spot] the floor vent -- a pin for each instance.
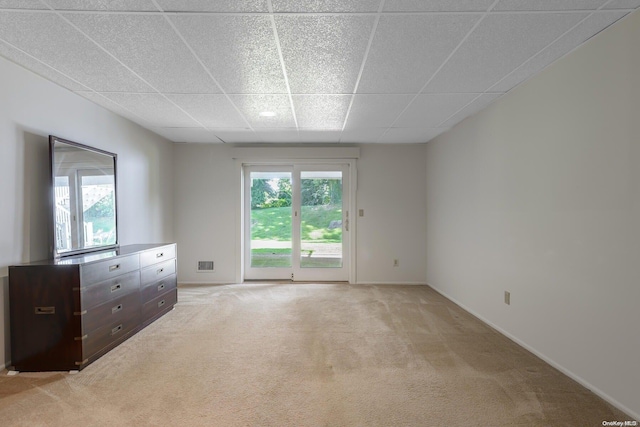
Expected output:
(205, 266)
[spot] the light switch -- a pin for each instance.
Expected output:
(360, 212)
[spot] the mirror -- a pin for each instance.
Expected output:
(83, 198)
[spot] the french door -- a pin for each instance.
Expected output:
(296, 222)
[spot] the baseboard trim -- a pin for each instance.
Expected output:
(392, 283)
(203, 283)
(544, 357)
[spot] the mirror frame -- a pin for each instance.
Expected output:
(53, 249)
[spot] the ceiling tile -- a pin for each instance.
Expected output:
(499, 45)
(437, 5)
(623, 4)
(195, 135)
(236, 135)
(118, 109)
(210, 110)
(372, 110)
(22, 4)
(407, 50)
(48, 38)
(119, 5)
(321, 111)
(37, 67)
(214, 5)
(252, 105)
(286, 135)
(319, 136)
(316, 6)
(329, 48)
(548, 4)
(478, 104)
(149, 46)
(361, 135)
(429, 110)
(153, 108)
(592, 25)
(409, 135)
(240, 51)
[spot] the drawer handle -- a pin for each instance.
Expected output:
(160, 287)
(116, 309)
(160, 270)
(114, 267)
(160, 255)
(45, 310)
(116, 329)
(116, 287)
(161, 303)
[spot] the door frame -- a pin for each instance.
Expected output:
(350, 163)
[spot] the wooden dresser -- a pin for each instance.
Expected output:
(68, 312)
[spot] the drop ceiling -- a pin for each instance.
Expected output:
(336, 71)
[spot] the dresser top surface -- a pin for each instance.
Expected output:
(100, 255)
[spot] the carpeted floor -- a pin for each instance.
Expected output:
(308, 355)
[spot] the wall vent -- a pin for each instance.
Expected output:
(205, 266)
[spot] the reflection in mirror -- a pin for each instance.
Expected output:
(84, 196)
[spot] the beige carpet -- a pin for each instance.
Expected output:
(308, 355)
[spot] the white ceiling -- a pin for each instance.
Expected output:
(352, 71)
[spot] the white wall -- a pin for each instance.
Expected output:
(391, 190)
(540, 195)
(31, 108)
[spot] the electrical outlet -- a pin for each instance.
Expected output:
(361, 212)
(507, 297)
(396, 263)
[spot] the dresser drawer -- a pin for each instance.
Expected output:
(110, 332)
(159, 304)
(157, 255)
(157, 288)
(158, 271)
(108, 290)
(111, 312)
(104, 270)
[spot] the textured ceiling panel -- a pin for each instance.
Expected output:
(51, 40)
(214, 5)
(623, 4)
(429, 110)
(549, 4)
(287, 135)
(112, 106)
(409, 135)
(321, 111)
(323, 54)
(210, 110)
(22, 4)
(319, 136)
(153, 108)
(361, 135)
(150, 47)
(478, 104)
(407, 50)
(197, 135)
(325, 5)
(235, 135)
(120, 5)
(240, 51)
(252, 105)
(37, 67)
(592, 25)
(500, 44)
(376, 110)
(437, 5)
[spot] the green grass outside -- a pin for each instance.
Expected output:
(275, 224)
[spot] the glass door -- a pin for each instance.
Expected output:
(296, 222)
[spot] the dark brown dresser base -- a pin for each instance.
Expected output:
(67, 313)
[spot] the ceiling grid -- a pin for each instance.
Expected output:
(299, 71)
